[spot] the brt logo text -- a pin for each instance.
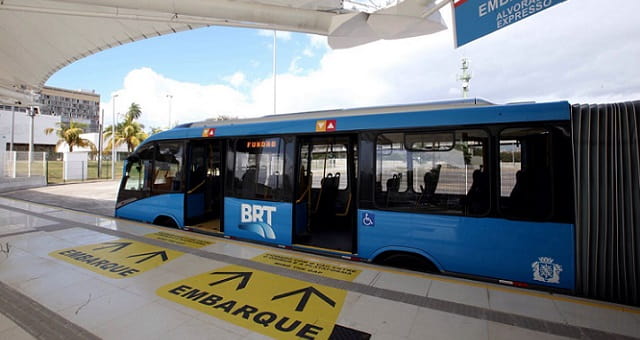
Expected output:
(256, 213)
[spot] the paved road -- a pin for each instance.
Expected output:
(93, 197)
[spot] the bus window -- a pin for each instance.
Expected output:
(392, 169)
(259, 169)
(139, 169)
(167, 175)
(442, 172)
(329, 161)
(525, 173)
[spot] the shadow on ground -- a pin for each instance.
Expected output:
(93, 206)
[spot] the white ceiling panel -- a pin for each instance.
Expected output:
(39, 37)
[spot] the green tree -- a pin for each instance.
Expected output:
(134, 112)
(225, 117)
(69, 133)
(127, 132)
(133, 134)
(154, 130)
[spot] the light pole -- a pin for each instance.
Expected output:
(274, 71)
(31, 111)
(169, 97)
(13, 124)
(113, 140)
(100, 143)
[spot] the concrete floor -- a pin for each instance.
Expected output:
(97, 197)
(42, 279)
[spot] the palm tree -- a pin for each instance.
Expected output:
(69, 133)
(225, 117)
(134, 112)
(133, 134)
(155, 130)
(110, 137)
(129, 132)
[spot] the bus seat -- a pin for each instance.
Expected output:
(531, 195)
(326, 205)
(518, 196)
(249, 183)
(430, 183)
(177, 181)
(274, 185)
(478, 195)
(393, 187)
(275, 181)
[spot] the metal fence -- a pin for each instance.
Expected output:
(25, 164)
(20, 164)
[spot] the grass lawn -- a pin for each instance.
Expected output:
(54, 171)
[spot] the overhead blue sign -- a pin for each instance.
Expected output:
(477, 18)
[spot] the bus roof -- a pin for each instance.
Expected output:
(441, 113)
(325, 114)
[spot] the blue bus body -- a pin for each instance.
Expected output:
(537, 253)
(489, 247)
(148, 209)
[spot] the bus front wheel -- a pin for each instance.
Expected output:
(165, 221)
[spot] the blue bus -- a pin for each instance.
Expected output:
(466, 188)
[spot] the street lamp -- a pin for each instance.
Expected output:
(13, 124)
(113, 140)
(274, 71)
(170, 97)
(100, 143)
(32, 111)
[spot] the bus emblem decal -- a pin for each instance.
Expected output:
(545, 270)
(252, 218)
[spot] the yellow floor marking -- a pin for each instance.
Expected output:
(181, 240)
(334, 271)
(275, 306)
(117, 259)
(513, 290)
(304, 246)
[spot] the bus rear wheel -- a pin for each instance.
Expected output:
(406, 260)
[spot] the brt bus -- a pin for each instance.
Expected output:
(541, 195)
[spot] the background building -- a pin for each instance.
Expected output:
(79, 106)
(56, 105)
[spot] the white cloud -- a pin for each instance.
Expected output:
(236, 80)
(294, 68)
(318, 41)
(189, 102)
(307, 52)
(554, 55)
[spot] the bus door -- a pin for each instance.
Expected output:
(204, 191)
(325, 193)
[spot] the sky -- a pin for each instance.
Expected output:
(583, 51)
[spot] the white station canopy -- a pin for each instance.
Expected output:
(39, 37)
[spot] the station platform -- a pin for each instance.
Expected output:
(65, 274)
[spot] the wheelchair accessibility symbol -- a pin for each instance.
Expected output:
(368, 219)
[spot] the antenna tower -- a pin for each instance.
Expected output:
(465, 77)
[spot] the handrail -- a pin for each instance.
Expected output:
(196, 187)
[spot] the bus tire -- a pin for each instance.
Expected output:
(165, 221)
(406, 260)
